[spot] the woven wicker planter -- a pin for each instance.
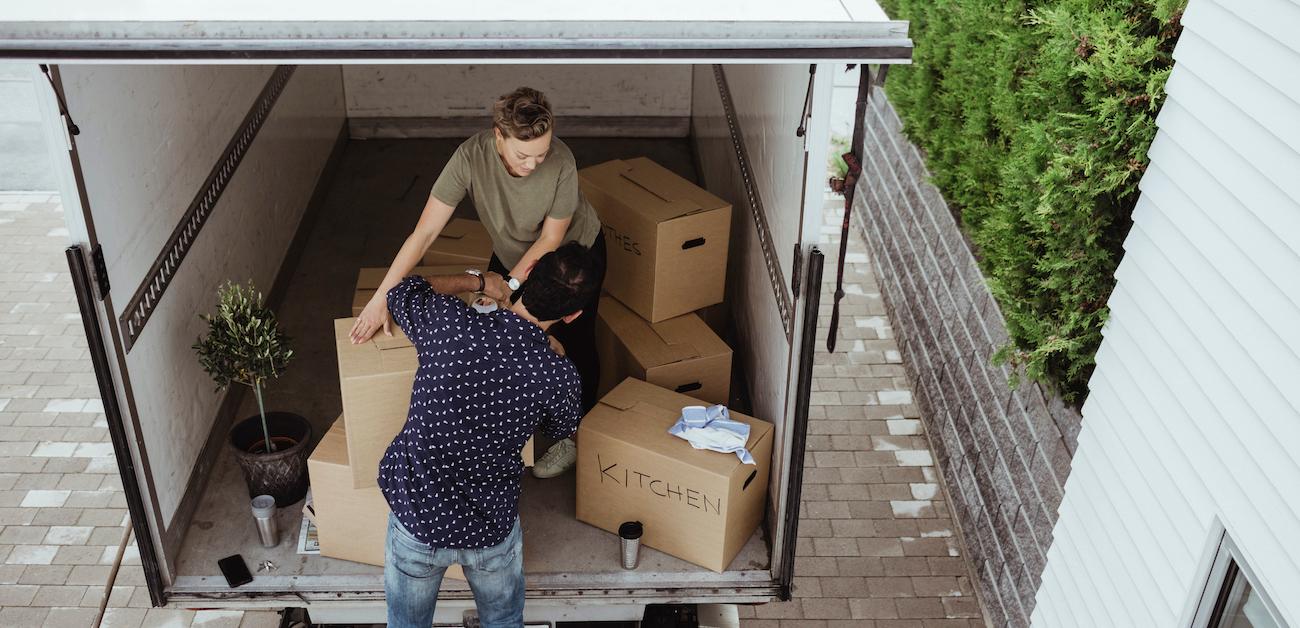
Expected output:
(281, 474)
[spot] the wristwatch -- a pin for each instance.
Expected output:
(512, 282)
(482, 283)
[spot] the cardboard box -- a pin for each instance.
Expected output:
(698, 505)
(351, 523)
(368, 280)
(460, 242)
(680, 354)
(375, 380)
(667, 238)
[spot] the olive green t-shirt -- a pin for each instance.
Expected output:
(512, 208)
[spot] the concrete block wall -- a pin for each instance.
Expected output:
(1005, 453)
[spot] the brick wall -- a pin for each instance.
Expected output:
(1004, 452)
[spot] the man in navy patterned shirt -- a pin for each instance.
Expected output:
(485, 384)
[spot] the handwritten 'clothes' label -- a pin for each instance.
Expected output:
(628, 478)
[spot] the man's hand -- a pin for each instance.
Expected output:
(555, 344)
(373, 318)
(496, 287)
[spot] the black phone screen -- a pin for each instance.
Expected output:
(235, 571)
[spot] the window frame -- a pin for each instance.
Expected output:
(1227, 565)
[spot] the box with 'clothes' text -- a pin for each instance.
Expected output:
(698, 505)
(666, 238)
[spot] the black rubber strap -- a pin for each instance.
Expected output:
(853, 159)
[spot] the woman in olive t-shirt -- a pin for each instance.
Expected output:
(524, 185)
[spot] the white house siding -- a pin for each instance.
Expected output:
(1194, 411)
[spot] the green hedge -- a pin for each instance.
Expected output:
(1035, 118)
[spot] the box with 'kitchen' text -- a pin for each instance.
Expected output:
(351, 523)
(698, 505)
(375, 381)
(460, 242)
(666, 238)
(368, 280)
(681, 354)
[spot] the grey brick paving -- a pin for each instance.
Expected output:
(62, 510)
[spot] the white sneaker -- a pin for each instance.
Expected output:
(558, 459)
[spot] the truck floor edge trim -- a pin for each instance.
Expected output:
(145, 300)
(81, 282)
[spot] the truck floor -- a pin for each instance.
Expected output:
(369, 207)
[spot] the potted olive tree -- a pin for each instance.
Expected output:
(245, 345)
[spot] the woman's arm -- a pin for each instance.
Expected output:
(375, 315)
(553, 232)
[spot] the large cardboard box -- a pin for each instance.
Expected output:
(681, 354)
(375, 380)
(698, 505)
(368, 280)
(667, 238)
(351, 523)
(460, 242)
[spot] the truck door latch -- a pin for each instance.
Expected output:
(101, 271)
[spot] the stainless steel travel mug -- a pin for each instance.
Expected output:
(630, 542)
(264, 515)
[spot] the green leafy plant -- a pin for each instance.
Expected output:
(244, 344)
(1035, 117)
(835, 160)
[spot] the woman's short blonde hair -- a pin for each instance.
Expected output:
(523, 114)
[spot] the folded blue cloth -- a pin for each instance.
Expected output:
(712, 428)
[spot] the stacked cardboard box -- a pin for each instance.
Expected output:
(351, 523)
(461, 242)
(375, 381)
(667, 238)
(698, 505)
(681, 354)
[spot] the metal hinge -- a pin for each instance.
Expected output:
(101, 271)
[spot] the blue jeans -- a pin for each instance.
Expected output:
(413, 572)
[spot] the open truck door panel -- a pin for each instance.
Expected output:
(219, 142)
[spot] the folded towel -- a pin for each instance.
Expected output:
(712, 428)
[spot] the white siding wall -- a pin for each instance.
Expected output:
(1194, 412)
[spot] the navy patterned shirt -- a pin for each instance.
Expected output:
(485, 384)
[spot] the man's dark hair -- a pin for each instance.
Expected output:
(563, 282)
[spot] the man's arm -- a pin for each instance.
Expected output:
(564, 409)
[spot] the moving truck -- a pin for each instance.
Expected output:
(292, 143)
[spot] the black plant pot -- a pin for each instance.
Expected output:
(282, 473)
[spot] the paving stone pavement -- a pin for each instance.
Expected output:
(877, 545)
(62, 509)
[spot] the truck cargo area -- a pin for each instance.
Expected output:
(368, 208)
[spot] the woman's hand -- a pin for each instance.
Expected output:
(373, 318)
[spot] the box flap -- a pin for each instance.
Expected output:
(380, 355)
(649, 189)
(640, 414)
(656, 344)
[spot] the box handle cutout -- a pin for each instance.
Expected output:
(690, 244)
(752, 474)
(684, 388)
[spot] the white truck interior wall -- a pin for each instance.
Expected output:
(760, 332)
(150, 135)
(439, 91)
(1193, 415)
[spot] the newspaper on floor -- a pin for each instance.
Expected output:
(308, 541)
